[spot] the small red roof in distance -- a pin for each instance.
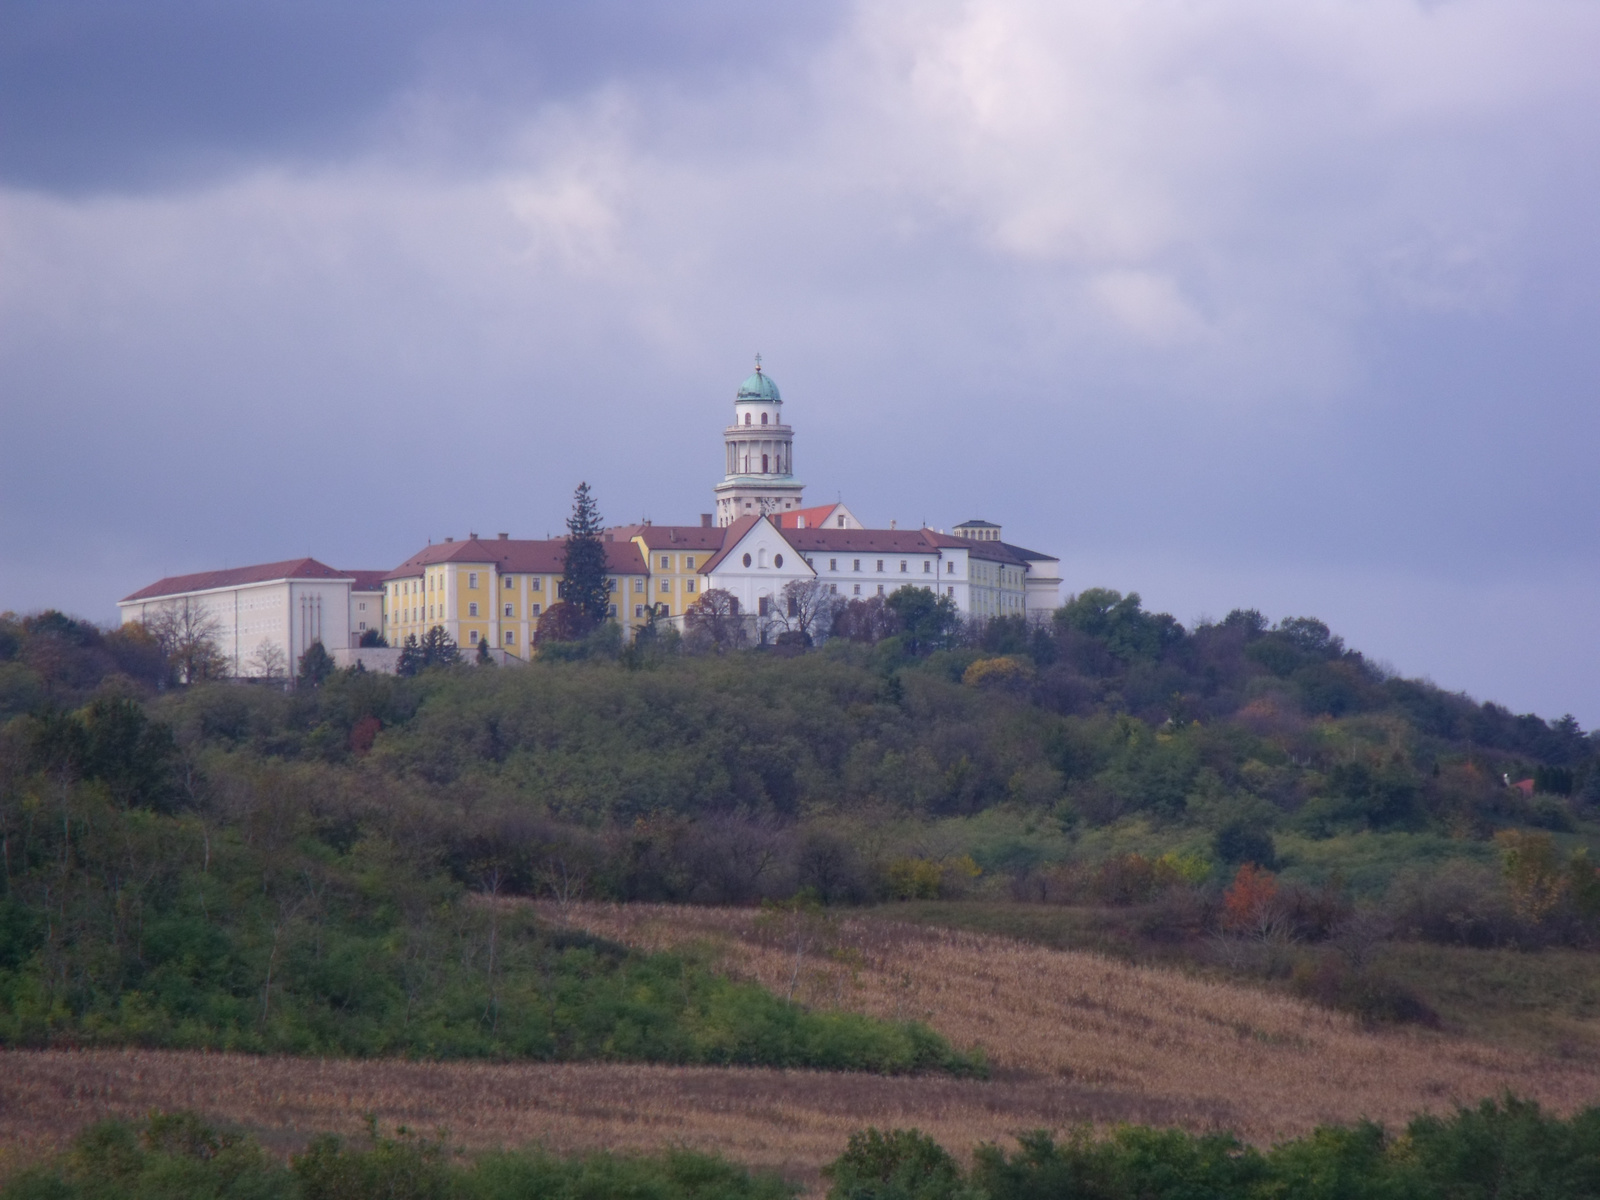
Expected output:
(815, 517)
(511, 556)
(367, 581)
(205, 581)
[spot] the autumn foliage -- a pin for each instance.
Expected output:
(1249, 897)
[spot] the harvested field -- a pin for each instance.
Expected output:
(1073, 1038)
(1266, 1065)
(793, 1121)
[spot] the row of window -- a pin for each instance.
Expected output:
(905, 566)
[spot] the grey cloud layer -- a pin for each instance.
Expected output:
(1294, 297)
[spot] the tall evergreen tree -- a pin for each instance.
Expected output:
(410, 656)
(584, 573)
(438, 649)
(316, 664)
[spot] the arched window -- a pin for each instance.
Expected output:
(747, 418)
(763, 418)
(764, 464)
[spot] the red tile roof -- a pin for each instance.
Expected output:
(674, 537)
(815, 517)
(205, 581)
(867, 541)
(511, 556)
(367, 581)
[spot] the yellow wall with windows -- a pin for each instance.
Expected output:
(674, 580)
(473, 602)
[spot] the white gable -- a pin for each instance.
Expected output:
(757, 565)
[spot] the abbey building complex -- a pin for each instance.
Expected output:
(759, 538)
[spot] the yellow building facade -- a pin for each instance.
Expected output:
(673, 556)
(494, 591)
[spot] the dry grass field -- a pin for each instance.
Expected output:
(1072, 1037)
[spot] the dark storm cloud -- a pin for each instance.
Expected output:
(119, 96)
(1233, 304)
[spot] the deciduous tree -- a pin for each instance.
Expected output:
(714, 622)
(188, 635)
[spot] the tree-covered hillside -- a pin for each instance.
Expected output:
(1110, 757)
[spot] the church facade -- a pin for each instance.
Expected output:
(762, 537)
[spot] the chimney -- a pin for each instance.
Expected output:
(705, 520)
(672, 535)
(894, 524)
(472, 537)
(800, 521)
(449, 539)
(503, 536)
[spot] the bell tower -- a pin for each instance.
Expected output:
(759, 455)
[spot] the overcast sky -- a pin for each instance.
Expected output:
(1233, 304)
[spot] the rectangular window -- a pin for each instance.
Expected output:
(472, 610)
(611, 585)
(534, 584)
(950, 568)
(612, 610)
(857, 589)
(362, 607)
(950, 591)
(430, 612)
(510, 611)
(688, 563)
(666, 562)
(794, 607)
(363, 625)
(833, 589)
(510, 582)
(638, 583)
(511, 638)
(880, 589)
(472, 581)
(833, 564)
(474, 637)
(857, 564)
(927, 567)
(762, 606)
(880, 566)
(666, 586)
(902, 566)
(688, 586)
(533, 610)
(638, 611)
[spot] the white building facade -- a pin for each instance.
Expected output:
(262, 617)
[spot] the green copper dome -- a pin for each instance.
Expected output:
(759, 387)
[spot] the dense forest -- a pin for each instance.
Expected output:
(327, 867)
